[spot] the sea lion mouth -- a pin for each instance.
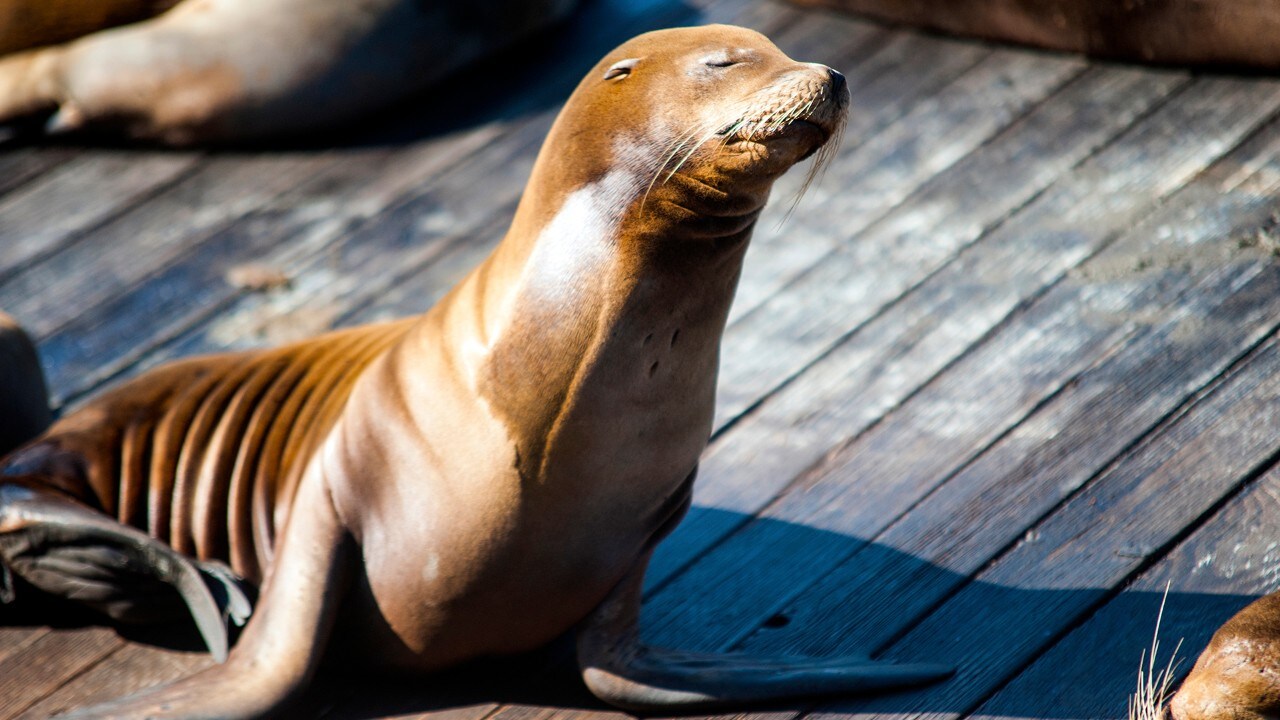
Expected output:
(762, 133)
(801, 108)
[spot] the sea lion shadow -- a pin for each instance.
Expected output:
(536, 75)
(1088, 667)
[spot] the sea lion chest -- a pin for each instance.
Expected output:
(494, 514)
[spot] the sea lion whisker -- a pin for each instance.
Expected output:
(822, 161)
(676, 147)
(692, 151)
(1154, 685)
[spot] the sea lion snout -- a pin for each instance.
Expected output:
(804, 106)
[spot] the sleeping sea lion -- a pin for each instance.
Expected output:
(479, 480)
(207, 71)
(1215, 33)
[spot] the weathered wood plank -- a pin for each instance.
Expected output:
(131, 668)
(108, 338)
(15, 638)
(884, 87)
(38, 669)
(856, 280)
(22, 165)
(294, 190)
(41, 216)
(1213, 573)
(1175, 346)
(898, 466)
(888, 359)
(1090, 545)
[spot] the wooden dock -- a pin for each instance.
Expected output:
(1008, 371)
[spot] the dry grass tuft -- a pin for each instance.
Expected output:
(1154, 686)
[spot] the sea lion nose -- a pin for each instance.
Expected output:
(838, 83)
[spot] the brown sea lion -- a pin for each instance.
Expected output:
(1237, 677)
(1230, 33)
(226, 70)
(32, 23)
(486, 477)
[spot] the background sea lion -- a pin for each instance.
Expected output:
(486, 477)
(221, 70)
(1237, 677)
(1232, 33)
(33, 23)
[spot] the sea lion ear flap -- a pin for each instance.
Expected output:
(620, 69)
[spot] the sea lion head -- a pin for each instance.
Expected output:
(699, 119)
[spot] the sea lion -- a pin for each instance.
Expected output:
(207, 71)
(479, 480)
(1237, 677)
(1216, 33)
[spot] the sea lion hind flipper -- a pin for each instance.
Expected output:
(283, 641)
(70, 550)
(623, 672)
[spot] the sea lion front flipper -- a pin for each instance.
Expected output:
(282, 644)
(70, 550)
(622, 671)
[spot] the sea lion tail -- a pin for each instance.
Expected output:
(24, 398)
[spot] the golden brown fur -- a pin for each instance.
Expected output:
(209, 71)
(33, 23)
(1238, 675)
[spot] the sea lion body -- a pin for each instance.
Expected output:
(486, 477)
(227, 70)
(1215, 33)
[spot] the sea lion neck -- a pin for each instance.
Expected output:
(583, 293)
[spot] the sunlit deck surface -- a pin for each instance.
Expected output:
(1008, 371)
